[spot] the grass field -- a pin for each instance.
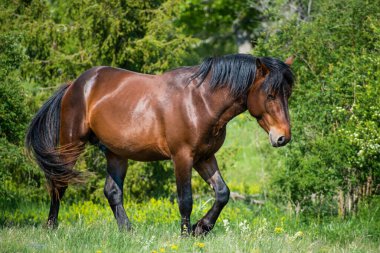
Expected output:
(242, 227)
(89, 227)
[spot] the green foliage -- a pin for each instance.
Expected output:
(17, 174)
(67, 37)
(335, 105)
(13, 109)
(45, 43)
(146, 180)
(165, 44)
(19, 178)
(220, 25)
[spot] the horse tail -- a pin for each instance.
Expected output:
(42, 143)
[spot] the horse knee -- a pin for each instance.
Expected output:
(223, 195)
(113, 193)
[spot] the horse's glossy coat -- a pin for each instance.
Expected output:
(179, 115)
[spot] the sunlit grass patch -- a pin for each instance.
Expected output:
(89, 227)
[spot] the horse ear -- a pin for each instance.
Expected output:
(290, 60)
(261, 67)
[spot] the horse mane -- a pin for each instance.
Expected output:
(238, 71)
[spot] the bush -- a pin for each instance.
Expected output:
(333, 160)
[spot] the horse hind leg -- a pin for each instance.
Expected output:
(113, 188)
(56, 193)
(72, 138)
(57, 188)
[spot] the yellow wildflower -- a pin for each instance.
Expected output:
(299, 234)
(162, 250)
(98, 251)
(200, 244)
(278, 230)
(174, 247)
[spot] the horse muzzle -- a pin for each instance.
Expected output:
(278, 139)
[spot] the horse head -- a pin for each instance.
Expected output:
(268, 98)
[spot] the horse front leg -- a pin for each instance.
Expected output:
(209, 171)
(183, 164)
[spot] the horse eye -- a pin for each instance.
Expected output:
(271, 97)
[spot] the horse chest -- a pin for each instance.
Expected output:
(211, 142)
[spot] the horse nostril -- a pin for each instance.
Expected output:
(281, 140)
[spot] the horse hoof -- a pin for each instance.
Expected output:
(200, 229)
(185, 235)
(51, 224)
(126, 228)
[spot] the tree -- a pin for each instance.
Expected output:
(223, 26)
(44, 44)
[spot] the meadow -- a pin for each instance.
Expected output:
(89, 226)
(242, 227)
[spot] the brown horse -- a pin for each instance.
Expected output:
(179, 115)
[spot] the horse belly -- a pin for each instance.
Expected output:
(132, 130)
(134, 151)
(133, 143)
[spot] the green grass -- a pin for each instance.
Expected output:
(89, 227)
(250, 155)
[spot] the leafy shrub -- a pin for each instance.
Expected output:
(334, 108)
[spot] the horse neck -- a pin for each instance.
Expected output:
(235, 108)
(226, 106)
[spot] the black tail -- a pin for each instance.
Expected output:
(42, 140)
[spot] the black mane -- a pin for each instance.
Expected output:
(238, 71)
